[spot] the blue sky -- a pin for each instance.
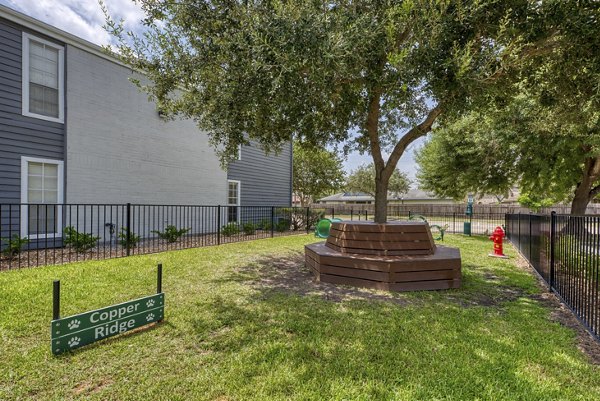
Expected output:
(84, 18)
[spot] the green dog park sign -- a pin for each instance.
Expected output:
(75, 331)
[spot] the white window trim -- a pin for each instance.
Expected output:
(239, 199)
(25, 79)
(24, 196)
(239, 154)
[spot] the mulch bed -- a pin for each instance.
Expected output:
(57, 256)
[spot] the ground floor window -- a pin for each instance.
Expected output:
(41, 191)
(233, 201)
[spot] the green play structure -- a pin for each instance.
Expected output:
(323, 226)
(436, 231)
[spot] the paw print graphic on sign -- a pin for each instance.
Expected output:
(150, 317)
(73, 324)
(150, 303)
(74, 341)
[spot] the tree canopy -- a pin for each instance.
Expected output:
(363, 180)
(544, 135)
(367, 75)
(316, 172)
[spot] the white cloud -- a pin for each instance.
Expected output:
(83, 18)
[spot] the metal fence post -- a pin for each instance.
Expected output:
(219, 225)
(307, 220)
(333, 213)
(519, 223)
(128, 228)
(453, 222)
(552, 246)
(272, 221)
(530, 236)
(471, 224)
(351, 213)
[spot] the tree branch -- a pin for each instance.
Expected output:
(415, 132)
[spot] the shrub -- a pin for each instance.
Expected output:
(14, 245)
(282, 225)
(298, 217)
(81, 242)
(264, 224)
(128, 243)
(171, 233)
(230, 229)
(249, 228)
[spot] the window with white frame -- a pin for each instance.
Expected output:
(42, 190)
(43, 79)
(233, 200)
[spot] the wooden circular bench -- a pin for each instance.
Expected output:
(398, 256)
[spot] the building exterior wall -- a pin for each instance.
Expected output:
(114, 147)
(20, 135)
(119, 150)
(265, 179)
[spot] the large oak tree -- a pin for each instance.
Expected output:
(369, 75)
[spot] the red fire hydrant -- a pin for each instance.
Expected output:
(497, 237)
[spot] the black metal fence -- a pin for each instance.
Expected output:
(565, 251)
(482, 221)
(45, 234)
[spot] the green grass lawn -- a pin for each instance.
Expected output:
(244, 321)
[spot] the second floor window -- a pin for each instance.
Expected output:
(43, 80)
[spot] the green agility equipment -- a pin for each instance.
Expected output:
(436, 231)
(323, 227)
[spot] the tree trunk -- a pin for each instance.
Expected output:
(585, 191)
(580, 203)
(381, 191)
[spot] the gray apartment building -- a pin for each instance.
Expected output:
(74, 130)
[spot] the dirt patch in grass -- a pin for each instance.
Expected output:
(289, 275)
(89, 387)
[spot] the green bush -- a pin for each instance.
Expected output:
(14, 245)
(81, 242)
(573, 256)
(230, 229)
(249, 228)
(133, 239)
(282, 225)
(297, 217)
(264, 224)
(171, 233)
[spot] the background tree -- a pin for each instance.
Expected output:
(323, 71)
(523, 144)
(547, 138)
(362, 180)
(317, 172)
